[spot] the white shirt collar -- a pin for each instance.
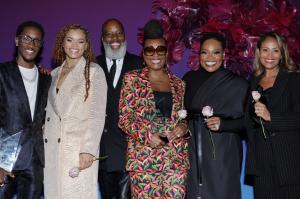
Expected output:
(119, 62)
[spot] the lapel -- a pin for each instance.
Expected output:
(20, 88)
(278, 87)
(149, 95)
(102, 62)
(40, 94)
(177, 96)
(126, 64)
(52, 96)
(61, 101)
(255, 82)
(74, 79)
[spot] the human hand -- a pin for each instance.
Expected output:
(179, 131)
(261, 110)
(3, 175)
(213, 123)
(85, 160)
(156, 141)
(45, 71)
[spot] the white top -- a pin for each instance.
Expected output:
(30, 78)
(119, 62)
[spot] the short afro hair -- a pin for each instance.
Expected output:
(26, 24)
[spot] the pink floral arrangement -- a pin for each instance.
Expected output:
(241, 22)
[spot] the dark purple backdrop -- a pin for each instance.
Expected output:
(56, 13)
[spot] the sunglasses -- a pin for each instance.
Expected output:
(27, 40)
(150, 50)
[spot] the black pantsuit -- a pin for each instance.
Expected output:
(275, 162)
(28, 183)
(15, 116)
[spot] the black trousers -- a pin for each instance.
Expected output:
(114, 185)
(268, 187)
(27, 184)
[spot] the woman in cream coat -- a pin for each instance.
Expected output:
(75, 118)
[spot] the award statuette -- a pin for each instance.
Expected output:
(9, 149)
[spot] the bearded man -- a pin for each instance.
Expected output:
(116, 61)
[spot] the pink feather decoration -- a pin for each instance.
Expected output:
(241, 22)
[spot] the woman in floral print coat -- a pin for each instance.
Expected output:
(152, 115)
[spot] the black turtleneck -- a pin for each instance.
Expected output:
(195, 79)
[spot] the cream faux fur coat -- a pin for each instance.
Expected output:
(73, 126)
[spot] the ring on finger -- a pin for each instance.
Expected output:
(178, 135)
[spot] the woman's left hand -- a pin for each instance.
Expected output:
(262, 111)
(179, 131)
(85, 160)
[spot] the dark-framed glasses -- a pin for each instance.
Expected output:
(150, 50)
(112, 34)
(27, 40)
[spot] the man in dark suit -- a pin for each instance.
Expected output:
(113, 178)
(23, 97)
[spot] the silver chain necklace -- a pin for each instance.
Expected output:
(30, 80)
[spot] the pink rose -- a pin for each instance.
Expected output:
(256, 95)
(207, 111)
(74, 172)
(182, 114)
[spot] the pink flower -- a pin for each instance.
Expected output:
(74, 172)
(256, 95)
(207, 111)
(182, 114)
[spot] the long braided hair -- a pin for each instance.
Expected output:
(60, 55)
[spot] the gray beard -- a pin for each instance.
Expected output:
(115, 54)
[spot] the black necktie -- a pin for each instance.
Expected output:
(112, 72)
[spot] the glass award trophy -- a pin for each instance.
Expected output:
(9, 149)
(159, 125)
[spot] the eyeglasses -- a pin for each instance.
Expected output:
(111, 34)
(150, 50)
(27, 40)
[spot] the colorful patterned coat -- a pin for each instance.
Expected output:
(137, 110)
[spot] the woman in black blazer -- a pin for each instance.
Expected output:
(273, 122)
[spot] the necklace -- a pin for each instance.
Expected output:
(28, 79)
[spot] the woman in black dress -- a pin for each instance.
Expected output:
(215, 146)
(273, 122)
